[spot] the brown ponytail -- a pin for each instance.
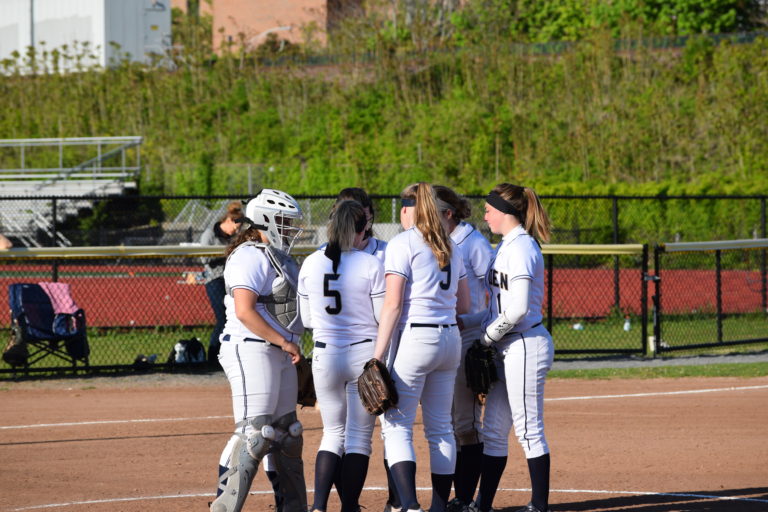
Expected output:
(245, 233)
(459, 205)
(532, 215)
(427, 221)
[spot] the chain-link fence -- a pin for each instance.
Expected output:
(142, 301)
(711, 294)
(166, 220)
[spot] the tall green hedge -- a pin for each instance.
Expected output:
(587, 120)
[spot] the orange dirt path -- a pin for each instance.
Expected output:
(661, 452)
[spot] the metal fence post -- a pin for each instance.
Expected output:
(719, 294)
(763, 263)
(616, 283)
(644, 301)
(550, 265)
(657, 298)
(54, 208)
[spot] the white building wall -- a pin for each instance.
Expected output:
(136, 26)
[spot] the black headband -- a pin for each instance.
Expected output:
(408, 201)
(501, 204)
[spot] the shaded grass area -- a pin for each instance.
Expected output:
(677, 331)
(711, 370)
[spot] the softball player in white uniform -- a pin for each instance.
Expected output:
(369, 243)
(516, 280)
(476, 253)
(341, 290)
(426, 285)
(376, 247)
(258, 351)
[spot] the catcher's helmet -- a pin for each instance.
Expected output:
(273, 212)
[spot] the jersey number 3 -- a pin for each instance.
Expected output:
(444, 285)
(335, 294)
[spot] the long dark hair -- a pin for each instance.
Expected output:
(362, 197)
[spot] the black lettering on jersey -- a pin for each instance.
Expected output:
(498, 279)
(335, 294)
(444, 285)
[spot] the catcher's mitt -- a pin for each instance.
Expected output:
(480, 369)
(306, 396)
(376, 388)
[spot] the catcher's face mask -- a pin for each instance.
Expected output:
(278, 215)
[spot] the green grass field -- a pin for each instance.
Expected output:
(121, 347)
(677, 331)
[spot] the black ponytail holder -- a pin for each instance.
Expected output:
(333, 253)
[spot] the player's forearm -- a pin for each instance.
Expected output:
(390, 314)
(304, 311)
(462, 297)
(514, 312)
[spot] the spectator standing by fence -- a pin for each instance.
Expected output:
(5, 243)
(218, 233)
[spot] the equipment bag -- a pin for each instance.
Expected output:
(187, 351)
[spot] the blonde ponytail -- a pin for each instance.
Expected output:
(427, 221)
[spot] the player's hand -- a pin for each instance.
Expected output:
(460, 322)
(487, 340)
(293, 350)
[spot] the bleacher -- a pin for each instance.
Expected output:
(71, 167)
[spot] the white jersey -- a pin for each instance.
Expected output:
(377, 248)
(518, 256)
(248, 267)
(430, 292)
(341, 304)
(476, 253)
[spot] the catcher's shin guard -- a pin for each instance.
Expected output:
(247, 453)
(236, 481)
(290, 467)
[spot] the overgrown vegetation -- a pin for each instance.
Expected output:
(468, 112)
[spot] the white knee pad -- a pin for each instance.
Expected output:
(260, 436)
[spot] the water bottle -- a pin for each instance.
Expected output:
(627, 325)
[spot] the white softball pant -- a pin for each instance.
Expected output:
(466, 409)
(518, 397)
(263, 382)
(347, 426)
(424, 370)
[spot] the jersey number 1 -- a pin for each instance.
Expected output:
(335, 294)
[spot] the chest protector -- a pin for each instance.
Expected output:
(281, 303)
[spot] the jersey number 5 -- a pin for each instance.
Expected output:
(335, 294)
(447, 283)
